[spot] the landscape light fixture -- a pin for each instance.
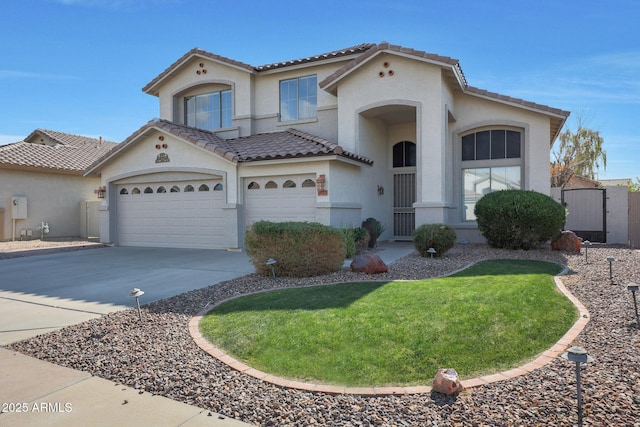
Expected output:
(586, 245)
(464, 244)
(634, 288)
(611, 261)
(135, 292)
(270, 262)
(578, 355)
(431, 251)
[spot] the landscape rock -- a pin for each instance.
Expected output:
(568, 242)
(368, 264)
(446, 381)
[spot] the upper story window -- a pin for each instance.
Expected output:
(298, 98)
(208, 111)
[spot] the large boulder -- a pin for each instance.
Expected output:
(369, 264)
(446, 381)
(568, 242)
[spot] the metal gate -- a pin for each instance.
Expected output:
(404, 196)
(634, 220)
(586, 213)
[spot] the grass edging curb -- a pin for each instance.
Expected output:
(540, 361)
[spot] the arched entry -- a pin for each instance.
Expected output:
(404, 189)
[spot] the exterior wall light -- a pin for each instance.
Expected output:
(578, 355)
(634, 288)
(320, 184)
(136, 293)
(101, 191)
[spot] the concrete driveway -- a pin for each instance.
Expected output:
(45, 292)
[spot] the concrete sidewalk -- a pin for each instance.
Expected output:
(37, 393)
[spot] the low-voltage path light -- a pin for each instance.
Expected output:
(611, 261)
(586, 245)
(431, 251)
(635, 288)
(578, 355)
(270, 263)
(135, 292)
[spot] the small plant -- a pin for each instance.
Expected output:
(301, 249)
(519, 219)
(355, 239)
(375, 229)
(440, 237)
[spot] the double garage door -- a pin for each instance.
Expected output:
(185, 214)
(189, 214)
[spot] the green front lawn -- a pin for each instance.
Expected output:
(490, 317)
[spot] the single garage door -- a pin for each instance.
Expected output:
(278, 199)
(185, 214)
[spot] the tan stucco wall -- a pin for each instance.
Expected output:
(53, 198)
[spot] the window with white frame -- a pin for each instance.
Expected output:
(298, 98)
(208, 111)
(491, 161)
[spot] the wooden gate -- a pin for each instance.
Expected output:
(586, 208)
(634, 220)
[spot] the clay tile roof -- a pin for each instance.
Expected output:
(194, 52)
(54, 151)
(353, 50)
(204, 54)
(509, 99)
(373, 49)
(287, 144)
(291, 143)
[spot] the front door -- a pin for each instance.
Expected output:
(404, 196)
(404, 189)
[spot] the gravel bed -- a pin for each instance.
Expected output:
(159, 356)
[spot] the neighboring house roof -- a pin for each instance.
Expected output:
(152, 87)
(52, 151)
(581, 182)
(289, 144)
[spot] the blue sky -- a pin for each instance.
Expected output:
(78, 66)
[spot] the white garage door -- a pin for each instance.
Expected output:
(185, 214)
(278, 199)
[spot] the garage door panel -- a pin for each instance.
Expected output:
(279, 204)
(172, 219)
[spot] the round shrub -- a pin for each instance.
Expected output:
(519, 219)
(440, 237)
(301, 249)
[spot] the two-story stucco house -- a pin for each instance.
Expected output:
(370, 131)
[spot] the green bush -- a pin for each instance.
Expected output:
(440, 237)
(519, 219)
(301, 249)
(355, 239)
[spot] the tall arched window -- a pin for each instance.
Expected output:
(404, 154)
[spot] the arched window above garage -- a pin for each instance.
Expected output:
(175, 189)
(136, 190)
(124, 191)
(161, 189)
(289, 184)
(188, 189)
(148, 190)
(271, 184)
(203, 187)
(253, 186)
(218, 187)
(308, 183)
